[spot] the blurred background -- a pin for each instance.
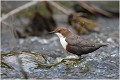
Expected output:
(29, 51)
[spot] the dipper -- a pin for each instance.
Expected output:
(74, 43)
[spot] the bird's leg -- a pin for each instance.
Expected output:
(71, 59)
(81, 58)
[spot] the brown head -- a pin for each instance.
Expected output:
(62, 32)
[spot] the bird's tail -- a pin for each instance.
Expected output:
(104, 44)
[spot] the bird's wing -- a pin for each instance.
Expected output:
(77, 41)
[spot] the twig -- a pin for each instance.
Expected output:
(61, 8)
(12, 29)
(94, 9)
(18, 10)
(24, 74)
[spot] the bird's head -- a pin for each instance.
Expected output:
(61, 32)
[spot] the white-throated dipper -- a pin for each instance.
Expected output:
(74, 43)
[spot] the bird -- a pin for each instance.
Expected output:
(74, 43)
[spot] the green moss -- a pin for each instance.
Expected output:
(113, 4)
(5, 65)
(38, 8)
(66, 3)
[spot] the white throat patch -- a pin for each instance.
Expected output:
(62, 40)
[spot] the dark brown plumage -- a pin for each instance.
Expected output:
(79, 46)
(76, 44)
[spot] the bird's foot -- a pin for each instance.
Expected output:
(74, 59)
(71, 59)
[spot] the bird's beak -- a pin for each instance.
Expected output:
(52, 32)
